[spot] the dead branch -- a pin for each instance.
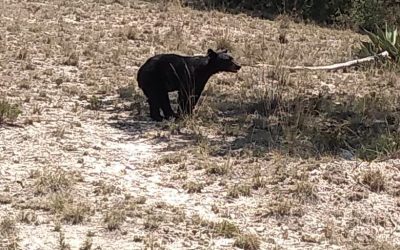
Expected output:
(337, 66)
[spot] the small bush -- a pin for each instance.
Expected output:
(247, 242)
(94, 103)
(8, 112)
(52, 181)
(239, 190)
(7, 227)
(193, 187)
(114, 219)
(75, 213)
(72, 59)
(8, 234)
(374, 179)
(384, 40)
(217, 169)
(226, 229)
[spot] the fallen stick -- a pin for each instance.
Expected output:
(384, 54)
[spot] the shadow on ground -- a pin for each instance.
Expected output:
(312, 126)
(307, 126)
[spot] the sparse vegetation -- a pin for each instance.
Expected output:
(94, 103)
(226, 229)
(239, 190)
(273, 158)
(8, 112)
(9, 233)
(193, 187)
(217, 168)
(75, 213)
(28, 217)
(173, 158)
(153, 222)
(72, 59)
(374, 179)
(258, 181)
(62, 245)
(224, 43)
(305, 190)
(7, 226)
(51, 181)
(283, 207)
(247, 242)
(87, 244)
(114, 219)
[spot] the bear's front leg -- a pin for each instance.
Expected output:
(155, 113)
(166, 106)
(155, 110)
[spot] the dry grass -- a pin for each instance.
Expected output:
(114, 218)
(51, 181)
(271, 159)
(225, 229)
(239, 190)
(374, 179)
(193, 187)
(8, 112)
(9, 233)
(247, 242)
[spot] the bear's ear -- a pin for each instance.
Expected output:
(211, 53)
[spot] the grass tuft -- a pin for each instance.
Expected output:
(247, 242)
(114, 219)
(8, 112)
(374, 179)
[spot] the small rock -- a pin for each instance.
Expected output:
(260, 229)
(346, 154)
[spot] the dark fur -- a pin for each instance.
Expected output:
(188, 75)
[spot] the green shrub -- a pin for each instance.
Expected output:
(358, 13)
(367, 13)
(387, 40)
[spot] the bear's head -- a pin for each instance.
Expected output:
(221, 61)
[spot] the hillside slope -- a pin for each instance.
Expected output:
(271, 160)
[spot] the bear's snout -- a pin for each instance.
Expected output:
(235, 67)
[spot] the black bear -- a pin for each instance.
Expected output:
(188, 75)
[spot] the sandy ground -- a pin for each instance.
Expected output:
(169, 186)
